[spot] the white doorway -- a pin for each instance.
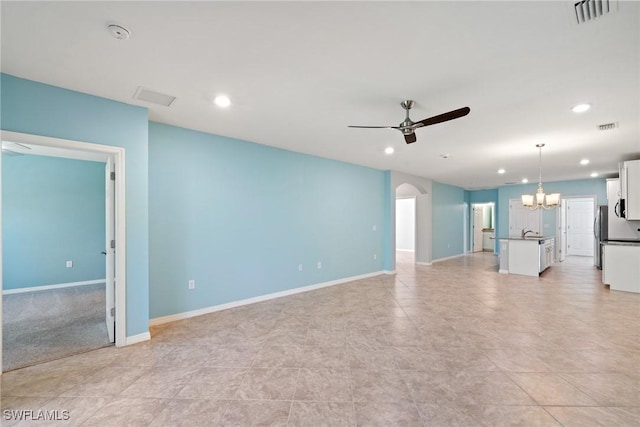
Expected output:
(576, 226)
(115, 225)
(406, 224)
(523, 218)
(482, 227)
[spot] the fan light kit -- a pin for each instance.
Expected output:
(408, 126)
(543, 201)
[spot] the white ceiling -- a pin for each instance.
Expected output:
(299, 72)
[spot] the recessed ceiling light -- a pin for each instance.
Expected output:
(525, 180)
(445, 156)
(580, 108)
(222, 101)
(594, 174)
(389, 150)
(584, 161)
(501, 171)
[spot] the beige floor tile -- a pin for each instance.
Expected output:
(378, 386)
(608, 389)
(213, 383)
(189, 413)
(595, 416)
(322, 414)
(383, 414)
(268, 384)
(68, 411)
(281, 356)
(551, 389)
(256, 412)
(122, 412)
(159, 383)
(454, 343)
(321, 384)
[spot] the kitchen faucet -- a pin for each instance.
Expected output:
(523, 233)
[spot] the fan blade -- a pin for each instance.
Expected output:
(461, 112)
(372, 127)
(410, 138)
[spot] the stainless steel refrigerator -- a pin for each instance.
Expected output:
(600, 232)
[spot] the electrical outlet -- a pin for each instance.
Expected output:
(374, 228)
(319, 265)
(69, 264)
(192, 284)
(299, 267)
(375, 256)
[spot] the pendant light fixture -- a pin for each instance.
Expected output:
(544, 201)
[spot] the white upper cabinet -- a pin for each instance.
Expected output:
(630, 188)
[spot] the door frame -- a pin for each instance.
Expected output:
(560, 225)
(58, 147)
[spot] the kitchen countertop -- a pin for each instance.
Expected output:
(533, 238)
(620, 243)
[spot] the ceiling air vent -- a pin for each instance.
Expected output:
(588, 10)
(147, 95)
(608, 126)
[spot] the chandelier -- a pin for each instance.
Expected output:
(544, 201)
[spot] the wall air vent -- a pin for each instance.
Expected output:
(608, 126)
(147, 95)
(588, 10)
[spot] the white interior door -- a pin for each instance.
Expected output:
(521, 217)
(110, 227)
(477, 228)
(562, 248)
(580, 213)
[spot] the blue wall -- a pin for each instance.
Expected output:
(53, 211)
(449, 204)
(239, 218)
(585, 187)
(40, 109)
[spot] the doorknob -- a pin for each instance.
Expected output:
(103, 253)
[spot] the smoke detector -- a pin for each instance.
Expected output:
(119, 32)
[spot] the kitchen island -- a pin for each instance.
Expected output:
(528, 256)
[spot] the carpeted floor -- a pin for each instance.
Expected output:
(47, 325)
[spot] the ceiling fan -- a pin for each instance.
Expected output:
(13, 148)
(408, 126)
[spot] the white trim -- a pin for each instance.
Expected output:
(502, 271)
(424, 263)
(135, 339)
(48, 287)
(390, 272)
(405, 250)
(449, 257)
(193, 313)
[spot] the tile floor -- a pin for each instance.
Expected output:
(453, 344)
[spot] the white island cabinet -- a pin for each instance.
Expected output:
(621, 266)
(528, 257)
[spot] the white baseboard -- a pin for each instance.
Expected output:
(423, 263)
(449, 257)
(188, 314)
(135, 339)
(501, 271)
(48, 287)
(390, 272)
(405, 250)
